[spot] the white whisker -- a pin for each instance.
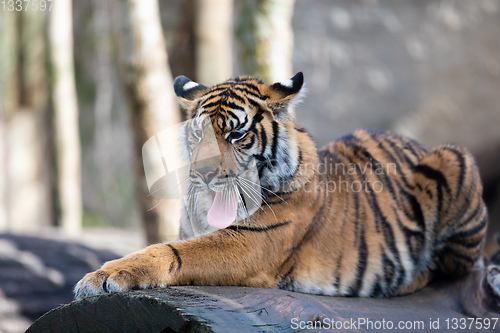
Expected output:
(254, 199)
(256, 192)
(264, 188)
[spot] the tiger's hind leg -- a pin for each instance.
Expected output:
(418, 283)
(449, 190)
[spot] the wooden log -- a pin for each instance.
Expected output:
(239, 309)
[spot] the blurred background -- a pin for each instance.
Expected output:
(84, 84)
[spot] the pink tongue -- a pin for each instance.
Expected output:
(223, 210)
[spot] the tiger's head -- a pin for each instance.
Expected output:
(240, 143)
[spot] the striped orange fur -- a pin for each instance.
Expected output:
(371, 214)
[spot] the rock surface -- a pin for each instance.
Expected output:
(38, 275)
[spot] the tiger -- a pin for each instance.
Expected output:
(372, 214)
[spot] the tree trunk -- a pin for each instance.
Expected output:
(181, 52)
(104, 92)
(25, 200)
(237, 309)
(9, 53)
(214, 35)
(8, 100)
(149, 83)
(266, 38)
(66, 116)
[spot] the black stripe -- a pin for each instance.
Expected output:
(409, 234)
(398, 148)
(218, 89)
(236, 97)
(249, 144)
(461, 176)
(243, 124)
(318, 219)
(479, 209)
(263, 139)
(417, 212)
(433, 174)
(210, 105)
(254, 103)
(299, 163)
(387, 232)
(316, 222)
(466, 206)
(389, 270)
(177, 256)
(248, 90)
(412, 145)
(353, 143)
(336, 279)
(208, 109)
(337, 275)
(292, 253)
(417, 215)
(256, 119)
(467, 243)
(257, 229)
(409, 143)
(247, 85)
(274, 146)
(218, 96)
(448, 251)
(362, 262)
(392, 157)
(233, 116)
(232, 106)
(290, 271)
(377, 290)
(472, 231)
(437, 176)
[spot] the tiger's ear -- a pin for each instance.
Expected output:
(282, 93)
(187, 91)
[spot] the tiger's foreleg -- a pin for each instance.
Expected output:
(225, 257)
(449, 190)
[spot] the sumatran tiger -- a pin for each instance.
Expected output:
(372, 214)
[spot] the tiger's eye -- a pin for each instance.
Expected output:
(235, 136)
(198, 134)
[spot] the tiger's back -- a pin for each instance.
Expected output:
(372, 187)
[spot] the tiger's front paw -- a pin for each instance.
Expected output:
(137, 271)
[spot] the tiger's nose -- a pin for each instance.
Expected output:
(207, 174)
